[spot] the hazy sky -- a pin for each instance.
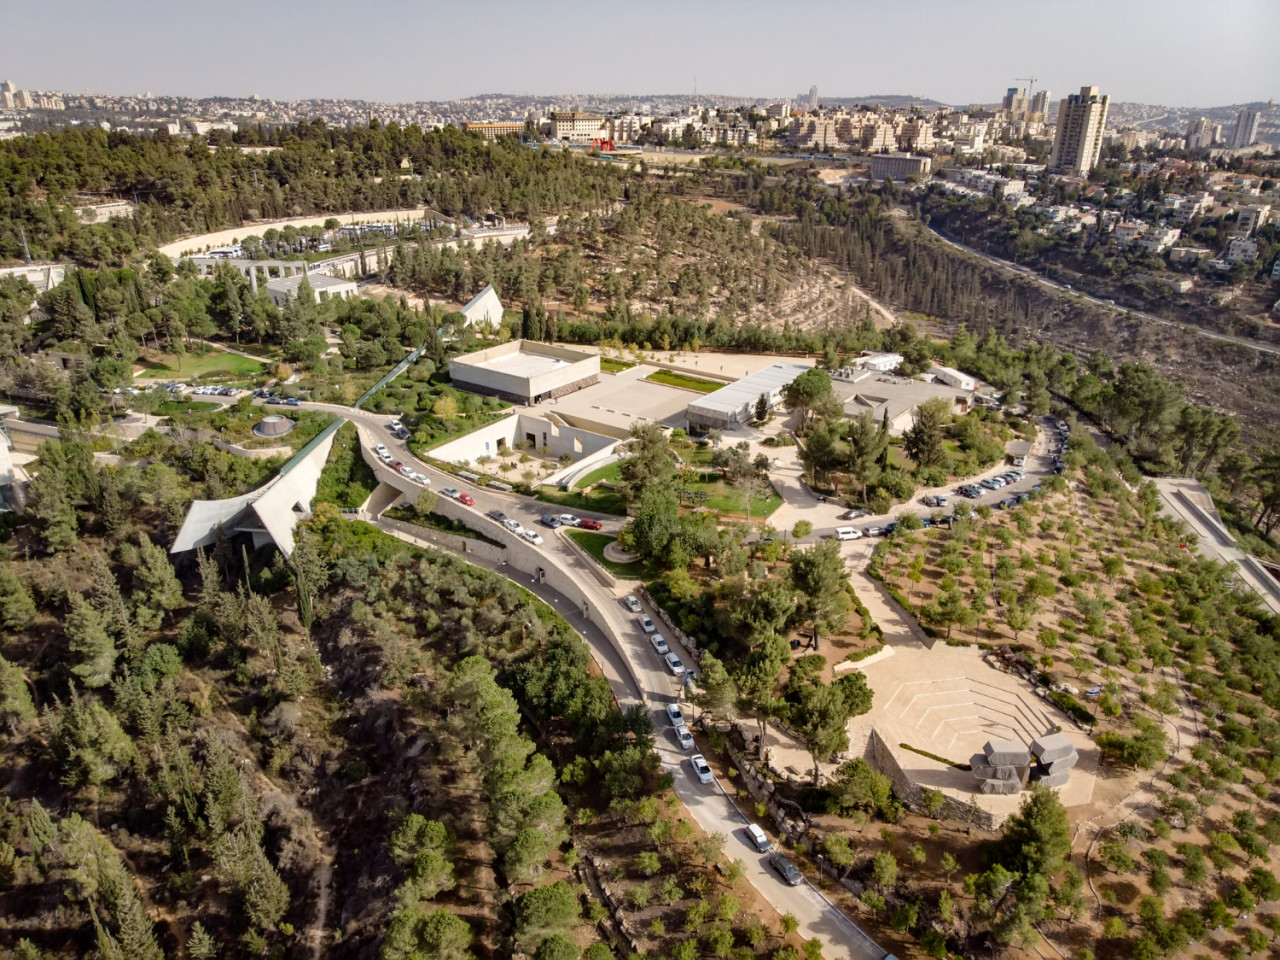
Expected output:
(1171, 52)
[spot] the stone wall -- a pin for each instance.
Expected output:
(473, 548)
(912, 794)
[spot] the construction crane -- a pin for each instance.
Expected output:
(1031, 81)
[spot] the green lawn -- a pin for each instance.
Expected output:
(685, 381)
(594, 544)
(609, 473)
(173, 408)
(599, 500)
(610, 365)
(212, 364)
(729, 500)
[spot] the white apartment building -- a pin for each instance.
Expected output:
(1082, 118)
(576, 127)
(1251, 218)
(1245, 131)
(1241, 250)
(916, 136)
(1158, 239)
(1200, 134)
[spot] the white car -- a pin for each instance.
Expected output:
(568, 519)
(659, 644)
(759, 839)
(380, 449)
(701, 769)
(395, 424)
(450, 492)
(848, 533)
(647, 624)
(684, 737)
(385, 456)
(674, 664)
(533, 536)
(674, 714)
(633, 603)
(421, 478)
(407, 470)
(514, 525)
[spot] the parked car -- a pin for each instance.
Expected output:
(498, 515)
(633, 603)
(701, 769)
(674, 714)
(514, 525)
(847, 533)
(395, 424)
(386, 457)
(380, 449)
(549, 520)
(533, 536)
(1008, 503)
(450, 492)
(293, 402)
(991, 483)
(275, 401)
(659, 644)
(396, 465)
(674, 664)
(646, 623)
(759, 839)
(684, 737)
(467, 499)
(934, 501)
(590, 523)
(786, 870)
(874, 532)
(568, 519)
(406, 470)
(855, 513)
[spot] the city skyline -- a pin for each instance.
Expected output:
(1147, 53)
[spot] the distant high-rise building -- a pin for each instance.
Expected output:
(1015, 102)
(1245, 132)
(8, 87)
(1078, 140)
(1040, 104)
(1199, 134)
(813, 98)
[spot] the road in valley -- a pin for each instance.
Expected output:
(635, 671)
(1062, 288)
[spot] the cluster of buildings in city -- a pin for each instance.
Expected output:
(11, 98)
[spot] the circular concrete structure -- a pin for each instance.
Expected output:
(273, 426)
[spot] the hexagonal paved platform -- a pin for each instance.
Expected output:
(948, 702)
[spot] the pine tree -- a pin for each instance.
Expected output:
(105, 595)
(156, 589)
(16, 707)
(200, 943)
(17, 610)
(90, 643)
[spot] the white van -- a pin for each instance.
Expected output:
(848, 533)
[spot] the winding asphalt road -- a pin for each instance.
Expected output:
(612, 633)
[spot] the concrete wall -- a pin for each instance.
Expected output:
(912, 794)
(467, 373)
(467, 545)
(559, 439)
(25, 437)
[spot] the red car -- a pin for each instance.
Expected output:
(467, 499)
(589, 523)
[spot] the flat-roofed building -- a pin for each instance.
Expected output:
(322, 286)
(899, 166)
(575, 127)
(525, 371)
(735, 404)
(954, 378)
(492, 131)
(891, 399)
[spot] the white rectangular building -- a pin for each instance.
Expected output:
(735, 404)
(322, 286)
(953, 377)
(524, 371)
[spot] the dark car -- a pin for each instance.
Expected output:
(786, 870)
(549, 520)
(589, 523)
(498, 515)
